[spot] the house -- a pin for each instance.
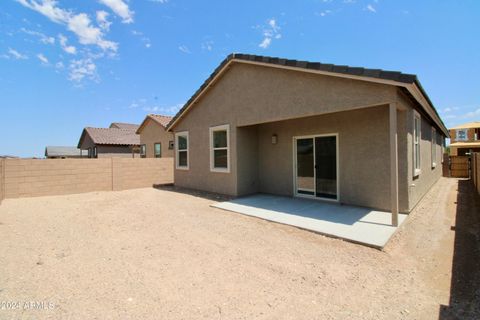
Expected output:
(56, 152)
(110, 142)
(155, 140)
(364, 137)
(465, 139)
(126, 126)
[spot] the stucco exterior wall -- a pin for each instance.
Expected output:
(104, 151)
(153, 133)
(247, 160)
(248, 95)
(363, 143)
(419, 185)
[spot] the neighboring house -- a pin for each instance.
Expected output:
(155, 140)
(465, 139)
(126, 126)
(357, 136)
(109, 142)
(55, 152)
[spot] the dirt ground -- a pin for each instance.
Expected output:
(165, 254)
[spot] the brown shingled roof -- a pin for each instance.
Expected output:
(112, 136)
(158, 118)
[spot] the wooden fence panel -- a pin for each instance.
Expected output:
(459, 166)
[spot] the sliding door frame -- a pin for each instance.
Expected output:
(314, 196)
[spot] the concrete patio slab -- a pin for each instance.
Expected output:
(356, 224)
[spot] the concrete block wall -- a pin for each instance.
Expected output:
(2, 180)
(141, 173)
(32, 178)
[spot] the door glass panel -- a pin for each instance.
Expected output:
(326, 167)
(305, 167)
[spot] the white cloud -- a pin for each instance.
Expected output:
(80, 24)
(144, 39)
(371, 8)
(120, 8)
(324, 13)
(59, 65)
(43, 38)
(42, 58)
(159, 1)
(270, 31)
(184, 49)
(16, 55)
(472, 114)
(165, 110)
(265, 43)
(63, 43)
(102, 20)
(207, 45)
(87, 34)
(82, 68)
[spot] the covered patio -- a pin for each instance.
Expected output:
(356, 224)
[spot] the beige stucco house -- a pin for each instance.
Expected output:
(115, 141)
(155, 140)
(294, 128)
(465, 138)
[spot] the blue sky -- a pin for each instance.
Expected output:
(69, 64)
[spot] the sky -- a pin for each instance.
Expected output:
(66, 65)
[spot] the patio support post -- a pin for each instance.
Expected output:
(393, 163)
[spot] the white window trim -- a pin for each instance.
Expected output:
(182, 134)
(225, 127)
(434, 148)
(417, 171)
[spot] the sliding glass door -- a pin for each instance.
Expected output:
(316, 166)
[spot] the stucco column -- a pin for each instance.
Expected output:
(393, 162)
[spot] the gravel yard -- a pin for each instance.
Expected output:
(166, 254)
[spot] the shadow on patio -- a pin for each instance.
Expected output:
(465, 284)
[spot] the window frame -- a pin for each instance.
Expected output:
(177, 151)
(465, 138)
(155, 150)
(143, 150)
(434, 148)
(212, 130)
(95, 154)
(417, 133)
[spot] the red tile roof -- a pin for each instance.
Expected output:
(123, 125)
(113, 136)
(158, 118)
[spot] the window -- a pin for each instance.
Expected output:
(416, 144)
(143, 151)
(181, 159)
(461, 135)
(434, 147)
(170, 145)
(157, 147)
(89, 152)
(95, 152)
(219, 148)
